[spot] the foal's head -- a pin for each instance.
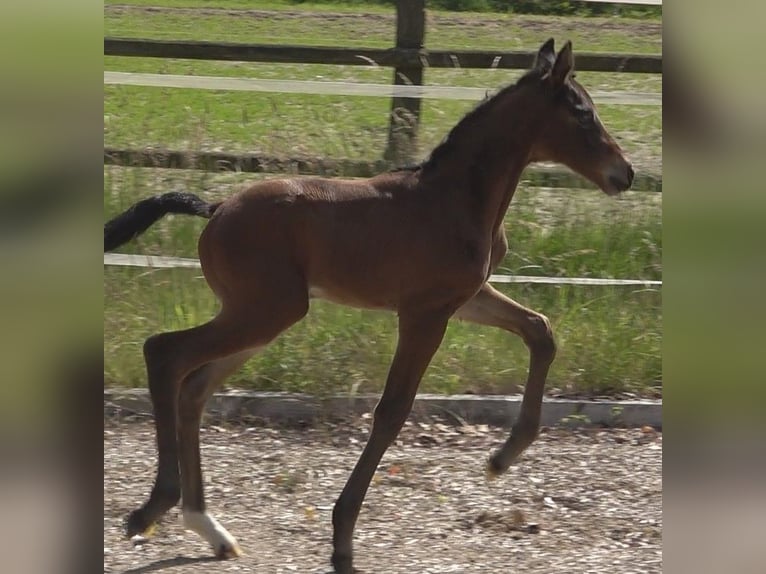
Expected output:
(573, 133)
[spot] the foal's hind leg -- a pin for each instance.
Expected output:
(490, 307)
(195, 392)
(170, 357)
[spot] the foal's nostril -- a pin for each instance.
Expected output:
(631, 173)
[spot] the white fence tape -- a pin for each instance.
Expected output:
(344, 88)
(161, 262)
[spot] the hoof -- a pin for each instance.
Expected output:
(342, 564)
(137, 525)
(228, 551)
(494, 469)
(224, 545)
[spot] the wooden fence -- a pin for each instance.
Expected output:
(408, 57)
(397, 57)
(535, 176)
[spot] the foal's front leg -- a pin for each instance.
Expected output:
(419, 337)
(490, 307)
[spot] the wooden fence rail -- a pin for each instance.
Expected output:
(536, 176)
(388, 57)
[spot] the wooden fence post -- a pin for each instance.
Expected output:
(405, 112)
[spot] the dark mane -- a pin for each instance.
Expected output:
(482, 108)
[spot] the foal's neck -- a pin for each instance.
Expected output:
(502, 150)
(485, 163)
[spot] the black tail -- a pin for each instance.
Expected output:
(142, 215)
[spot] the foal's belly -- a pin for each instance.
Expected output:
(350, 298)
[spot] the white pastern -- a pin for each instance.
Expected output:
(224, 544)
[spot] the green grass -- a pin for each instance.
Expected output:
(609, 338)
(319, 6)
(443, 29)
(314, 125)
(289, 124)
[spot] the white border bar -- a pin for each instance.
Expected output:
(344, 88)
(162, 262)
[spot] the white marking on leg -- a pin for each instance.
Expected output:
(224, 544)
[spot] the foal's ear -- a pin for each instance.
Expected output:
(545, 58)
(563, 66)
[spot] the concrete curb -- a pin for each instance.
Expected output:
(497, 410)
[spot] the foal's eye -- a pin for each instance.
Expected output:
(586, 118)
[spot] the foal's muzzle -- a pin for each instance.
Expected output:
(621, 181)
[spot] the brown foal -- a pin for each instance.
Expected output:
(420, 241)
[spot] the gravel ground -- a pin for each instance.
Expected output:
(578, 501)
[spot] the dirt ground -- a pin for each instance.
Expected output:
(579, 501)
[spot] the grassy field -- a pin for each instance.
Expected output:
(353, 127)
(609, 338)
